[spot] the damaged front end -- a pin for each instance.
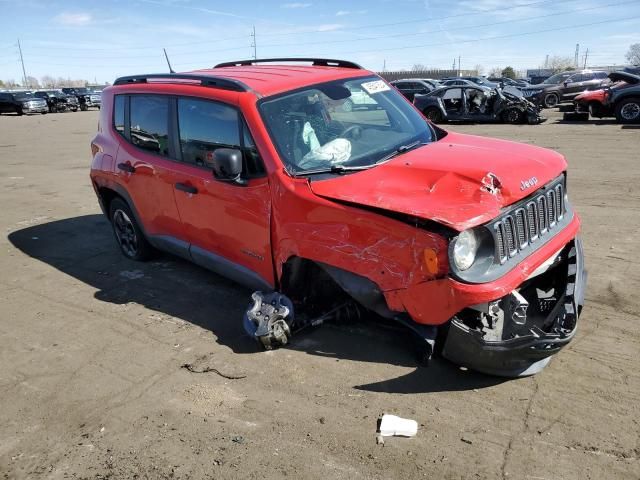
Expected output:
(517, 334)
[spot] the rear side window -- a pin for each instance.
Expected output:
(149, 119)
(118, 113)
(205, 126)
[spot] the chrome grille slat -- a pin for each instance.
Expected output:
(518, 228)
(551, 207)
(521, 228)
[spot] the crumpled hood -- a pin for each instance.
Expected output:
(449, 181)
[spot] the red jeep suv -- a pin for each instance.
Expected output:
(256, 170)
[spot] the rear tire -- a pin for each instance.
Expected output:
(628, 110)
(84, 108)
(19, 111)
(128, 233)
(551, 100)
(433, 114)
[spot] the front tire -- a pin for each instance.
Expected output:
(128, 233)
(433, 114)
(628, 110)
(512, 116)
(84, 108)
(551, 100)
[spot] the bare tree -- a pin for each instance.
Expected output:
(418, 67)
(495, 72)
(479, 69)
(32, 82)
(11, 83)
(558, 63)
(48, 81)
(633, 55)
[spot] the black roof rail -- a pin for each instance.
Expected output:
(205, 80)
(323, 62)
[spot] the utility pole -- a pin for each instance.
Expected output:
(24, 72)
(459, 70)
(577, 56)
(384, 65)
(546, 62)
(253, 43)
(586, 56)
(454, 65)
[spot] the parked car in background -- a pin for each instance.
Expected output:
(519, 83)
(565, 86)
(457, 82)
(56, 101)
(595, 102)
(21, 103)
(86, 98)
(253, 171)
(411, 86)
(476, 104)
(625, 101)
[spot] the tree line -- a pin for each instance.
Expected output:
(46, 81)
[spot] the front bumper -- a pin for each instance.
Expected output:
(27, 109)
(524, 354)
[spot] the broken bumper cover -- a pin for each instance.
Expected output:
(527, 354)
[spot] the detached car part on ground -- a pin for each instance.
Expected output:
(476, 104)
(262, 176)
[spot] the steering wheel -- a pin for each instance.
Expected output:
(354, 131)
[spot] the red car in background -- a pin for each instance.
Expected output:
(595, 102)
(256, 170)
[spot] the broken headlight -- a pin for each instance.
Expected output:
(465, 248)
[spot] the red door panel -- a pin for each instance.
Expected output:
(151, 187)
(228, 220)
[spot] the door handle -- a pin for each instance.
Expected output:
(186, 188)
(126, 167)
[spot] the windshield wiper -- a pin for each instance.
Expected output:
(331, 169)
(400, 150)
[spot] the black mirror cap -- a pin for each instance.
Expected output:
(227, 164)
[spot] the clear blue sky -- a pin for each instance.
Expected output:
(103, 39)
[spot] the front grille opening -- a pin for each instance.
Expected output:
(529, 221)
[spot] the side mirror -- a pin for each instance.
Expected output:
(565, 83)
(227, 165)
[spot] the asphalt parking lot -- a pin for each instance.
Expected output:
(92, 348)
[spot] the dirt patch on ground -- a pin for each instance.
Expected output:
(92, 348)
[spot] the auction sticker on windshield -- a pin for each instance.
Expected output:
(376, 86)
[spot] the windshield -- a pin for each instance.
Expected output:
(25, 96)
(558, 78)
(343, 124)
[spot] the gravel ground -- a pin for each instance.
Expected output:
(91, 348)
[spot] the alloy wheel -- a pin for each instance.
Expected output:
(631, 111)
(126, 233)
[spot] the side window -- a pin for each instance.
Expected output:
(452, 94)
(149, 123)
(600, 75)
(118, 113)
(205, 126)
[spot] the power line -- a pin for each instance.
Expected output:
(496, 37)
(253, 44)
(324, 31)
